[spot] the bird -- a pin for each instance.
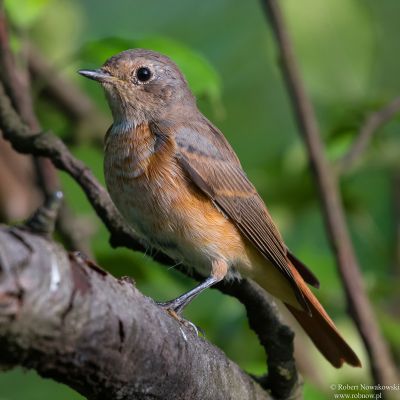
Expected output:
(179, 184)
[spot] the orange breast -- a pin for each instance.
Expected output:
(152, 192)
(159, 201)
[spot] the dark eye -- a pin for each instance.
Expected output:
(143, 74)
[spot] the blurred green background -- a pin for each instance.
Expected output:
(349, 53)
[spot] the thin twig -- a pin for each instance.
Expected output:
(369, 128)
(382, 366)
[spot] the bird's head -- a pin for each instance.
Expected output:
(142, 86)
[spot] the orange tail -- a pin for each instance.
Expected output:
(321, 329)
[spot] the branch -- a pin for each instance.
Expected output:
(101, 336)
(276, 337)
(382, 366)
(369, 128)
(283, 376)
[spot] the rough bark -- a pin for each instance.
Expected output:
(73, 322)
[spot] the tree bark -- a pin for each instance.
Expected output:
(71, 321)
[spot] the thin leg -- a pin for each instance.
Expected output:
(218, 272)
(182, 301)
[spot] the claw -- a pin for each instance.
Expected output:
(183, 334)
(191, 325)
(175, 314)
(175, 307)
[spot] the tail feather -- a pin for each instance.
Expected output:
(321, 329)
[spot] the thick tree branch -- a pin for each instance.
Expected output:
(101, 336)
(382, 366)
(370, 127)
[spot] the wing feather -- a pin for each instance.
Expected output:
(211, 164)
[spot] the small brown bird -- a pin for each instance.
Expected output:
(179, 184)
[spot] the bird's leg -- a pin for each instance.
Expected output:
(177, 305)
(218, 272)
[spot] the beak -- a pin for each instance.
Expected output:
(96, 74)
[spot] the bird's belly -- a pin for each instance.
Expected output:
(175, 217)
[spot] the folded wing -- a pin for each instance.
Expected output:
(212, 165)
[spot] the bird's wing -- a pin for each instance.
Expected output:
(211, 164)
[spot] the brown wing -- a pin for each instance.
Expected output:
(212, 165)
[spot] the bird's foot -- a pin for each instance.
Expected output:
(174, 310)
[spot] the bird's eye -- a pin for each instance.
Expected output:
(143, 74)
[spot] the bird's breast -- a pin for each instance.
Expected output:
(140, 180)
(158, 200)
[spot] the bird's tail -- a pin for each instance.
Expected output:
(321, 329)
